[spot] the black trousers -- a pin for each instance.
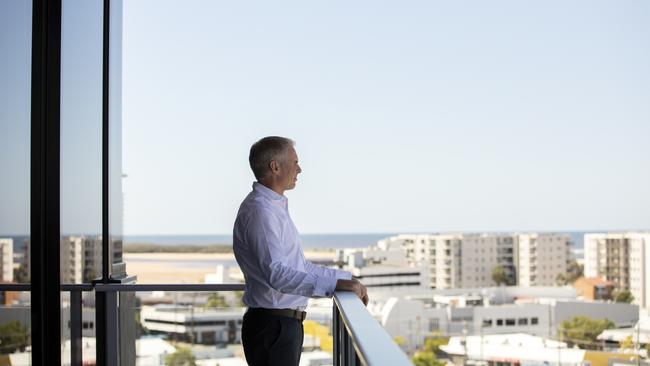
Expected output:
(271, 340)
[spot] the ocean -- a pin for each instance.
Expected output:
(311, 241)
(308, 240)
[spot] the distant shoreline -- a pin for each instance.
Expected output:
(150, 248)
(164, 257)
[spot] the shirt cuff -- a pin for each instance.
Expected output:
(325, 286)
(343, 275)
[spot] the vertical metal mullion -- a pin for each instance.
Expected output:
(44, 182)
(103, 320)
(76, 323)
(106, 260)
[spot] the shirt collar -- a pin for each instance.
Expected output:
(268, 193)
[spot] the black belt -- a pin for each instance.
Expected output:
(289, 313)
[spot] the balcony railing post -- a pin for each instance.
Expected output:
(336, 334)
(76, 324)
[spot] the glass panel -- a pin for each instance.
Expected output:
(115, 139)
(206, 327)
(15, 89)
(86, 325)
(81, 164)
(203, 326)
(15, 328)
(81, 133)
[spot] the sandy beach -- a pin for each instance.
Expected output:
(187, 267)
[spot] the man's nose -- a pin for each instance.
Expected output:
(299, 169)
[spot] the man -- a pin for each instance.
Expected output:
(279, 280)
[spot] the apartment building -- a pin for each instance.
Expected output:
(621, 259)
(541, 257)
(6, 260)
(467, 260)
(80, 258)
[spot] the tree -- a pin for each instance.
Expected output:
(239, 295)
(426, 359)
(182, 357)
(215, 301)
(21, 275)
(627, 343)
(399, 340)
(624, 296)
(499, 276)
(13, 336)
(582, 329)
(574, 271)
(433, 344)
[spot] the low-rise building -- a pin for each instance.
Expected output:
(206, 326)
(594, 288)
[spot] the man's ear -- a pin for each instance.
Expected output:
(274, 166)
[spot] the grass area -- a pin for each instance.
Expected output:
(178, 248)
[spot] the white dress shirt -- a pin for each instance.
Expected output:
(267, 248)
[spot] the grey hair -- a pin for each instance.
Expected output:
(268, 149)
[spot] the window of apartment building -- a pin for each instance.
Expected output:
(487, 323)
(522, 321)
(434, 324)
(499, 322)
(510, 322)
(534, 321)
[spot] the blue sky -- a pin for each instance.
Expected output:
(408, 116)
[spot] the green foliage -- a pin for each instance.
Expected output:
(627, 343)
(574, 271)
(500, 277)
(399, 340)
(426, 359)
(215, 301)
(624, 296)
(238, 296)
(432, 345)
(583, 329)
(182, 357)
(13, 336)
(21, 275)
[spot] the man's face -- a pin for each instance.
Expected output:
(289, 170)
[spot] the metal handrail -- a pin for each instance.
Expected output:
(372, 344)
(119, 287)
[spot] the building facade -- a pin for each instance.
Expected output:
(6, 260)
(468, 260)
(620, 258)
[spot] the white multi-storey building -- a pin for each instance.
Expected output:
(384, 270)
(541, 257)
(467, 260)
(81, 258)
(6, 260)
(620, 258)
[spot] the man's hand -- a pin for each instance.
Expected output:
(355, 286)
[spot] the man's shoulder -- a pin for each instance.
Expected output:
(254, 205)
